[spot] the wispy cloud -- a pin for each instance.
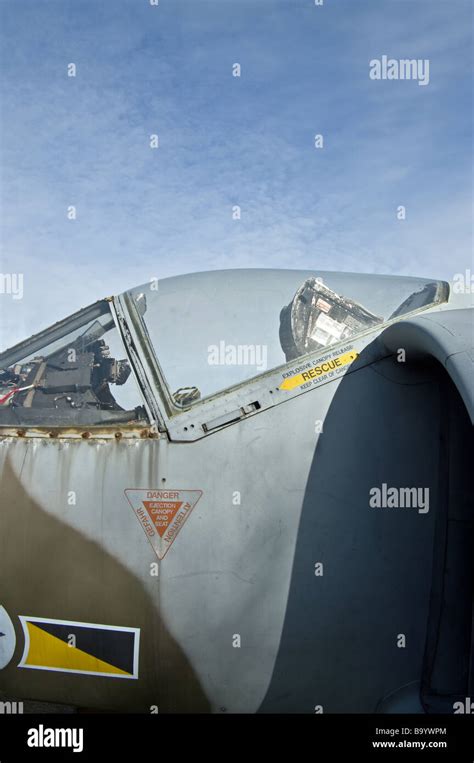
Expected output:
(224, 141)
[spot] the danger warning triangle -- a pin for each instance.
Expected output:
(162, 513)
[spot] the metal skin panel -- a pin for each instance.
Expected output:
(86, 562)
(278, 497)
(448, 337)
(243, 569)
(373, 564)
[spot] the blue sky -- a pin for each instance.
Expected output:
(144, 213)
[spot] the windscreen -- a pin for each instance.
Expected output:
(72, 374)
(211, 331)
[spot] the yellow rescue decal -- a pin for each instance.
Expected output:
(330, 366)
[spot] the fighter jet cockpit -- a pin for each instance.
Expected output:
(212, 331)
(70, 375)
(208, 333)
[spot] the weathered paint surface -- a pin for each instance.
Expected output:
(236, 619)
(231, 570)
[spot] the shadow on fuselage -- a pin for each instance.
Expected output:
(50, 570)
(341, 647)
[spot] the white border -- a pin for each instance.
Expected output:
(24, 619)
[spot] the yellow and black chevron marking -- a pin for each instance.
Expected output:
(71, 647)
